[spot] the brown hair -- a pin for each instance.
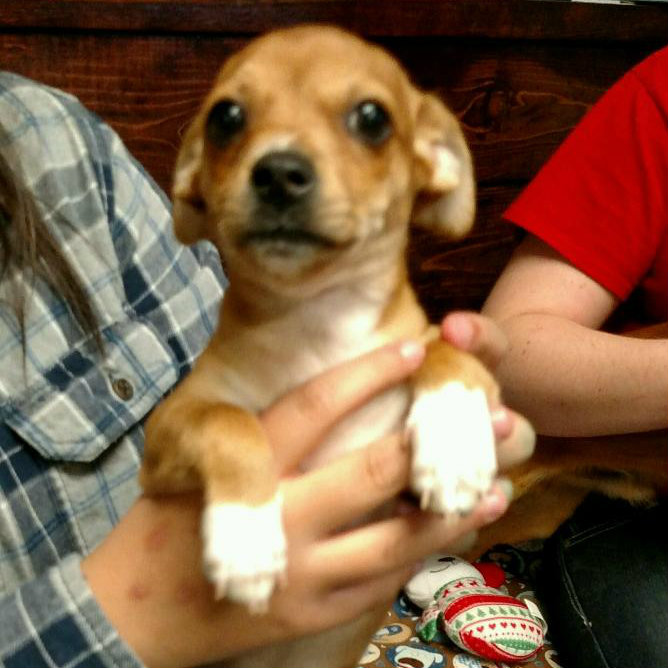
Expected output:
(28, 247)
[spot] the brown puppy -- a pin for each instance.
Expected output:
(304, 167)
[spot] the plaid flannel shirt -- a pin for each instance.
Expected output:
(71, 431)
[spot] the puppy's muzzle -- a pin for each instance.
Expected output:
(284, 186)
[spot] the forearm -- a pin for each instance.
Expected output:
(574, 381)
(148, 580)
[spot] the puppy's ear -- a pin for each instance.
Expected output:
(189, 207)
(446, 201)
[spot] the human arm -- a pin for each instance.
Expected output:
(148, 579)
(567, 376)
(599, 206)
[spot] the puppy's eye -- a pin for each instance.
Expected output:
(370, 121)
(226, 119)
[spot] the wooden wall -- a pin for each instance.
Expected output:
(519, 73)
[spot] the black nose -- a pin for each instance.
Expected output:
(283, 178)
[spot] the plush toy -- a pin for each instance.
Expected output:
(475, 615)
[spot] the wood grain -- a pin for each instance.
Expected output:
(453, 275)
(517, 102)
(507, 19)
(519, 74)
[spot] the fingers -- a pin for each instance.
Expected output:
(348, 489)
(377, 549)
(475, 334)
(300, 420)
(352, 487)
(351, 601)
(516, 439)
(482, 337)
(333, 607)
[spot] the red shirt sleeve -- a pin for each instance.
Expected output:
(602, 199)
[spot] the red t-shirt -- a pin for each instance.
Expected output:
(602, 199)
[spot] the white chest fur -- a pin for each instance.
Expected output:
(289, 350)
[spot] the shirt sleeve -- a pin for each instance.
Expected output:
(54, 620)
(176, 288)
(69, 445)
(601, 200)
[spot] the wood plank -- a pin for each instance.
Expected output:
(519, 74)
(516, 19)
(458, 275)
(517, 101)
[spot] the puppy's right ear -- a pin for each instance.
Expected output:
(446, 200)
(189, 207)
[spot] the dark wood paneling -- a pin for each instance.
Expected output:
(519, 73)
(517, 101)
(450, 275)
(508, 19)
(146, 87)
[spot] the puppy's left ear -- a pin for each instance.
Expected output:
(446, 200)
(189, 208)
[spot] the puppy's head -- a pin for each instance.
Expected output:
(311, 153)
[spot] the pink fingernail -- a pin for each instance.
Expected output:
(502, 421)
(412, 350)
(499, 414)
(461, 331)
(495, 504)
(418, 567)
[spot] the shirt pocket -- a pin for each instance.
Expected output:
(86, 404)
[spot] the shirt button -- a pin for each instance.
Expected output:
(123, 388)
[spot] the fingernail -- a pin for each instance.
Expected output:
(418, 567)
(506, 486)
(497, 501)
(412, 350)
(461, 331)
(502, 422)
(526, 437)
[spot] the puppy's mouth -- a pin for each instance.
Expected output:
(286, 236)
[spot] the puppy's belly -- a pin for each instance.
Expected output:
(384, 415)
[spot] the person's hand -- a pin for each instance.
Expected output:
(367, 564)
(147, 574)
(482, 337)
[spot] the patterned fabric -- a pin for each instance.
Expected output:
(71, 420)
(481, 619)
(398, 645)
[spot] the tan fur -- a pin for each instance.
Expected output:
(287, 317)
(300, 101)
(549, 487)
(442, 357)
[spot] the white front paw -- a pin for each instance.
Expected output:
(244, 551)
(454, 456)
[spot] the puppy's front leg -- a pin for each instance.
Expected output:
(449, 423)
(192, 443)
